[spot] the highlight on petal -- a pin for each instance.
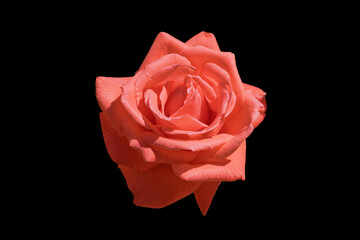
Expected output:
(119, 149)
(231, 170)
(163, 44)
(204, 195)
(157, 187)
(204, 39)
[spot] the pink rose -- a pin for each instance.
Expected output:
(179, 125)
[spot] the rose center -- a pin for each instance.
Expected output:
(175, 100)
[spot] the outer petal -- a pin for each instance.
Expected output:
(251, 113)
(204, 39)
(260, 96)
(109, 93)
(231, 170)
(108, 90)
(233, 144)
(157, 187)
(119, 149)
(242, 123)
(163, 44)
(204, 195)
(256, 91)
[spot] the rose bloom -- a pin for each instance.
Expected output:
(179, 125)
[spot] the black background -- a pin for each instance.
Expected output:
(82, 184)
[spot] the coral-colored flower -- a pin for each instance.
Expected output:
(179, 125)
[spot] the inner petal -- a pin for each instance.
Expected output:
(195, 103)
(175, 100)
(208, 92)
(184, 122)
(166, 90)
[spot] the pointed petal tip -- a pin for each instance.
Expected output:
(203, 212)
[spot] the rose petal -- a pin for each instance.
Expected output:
(191, 135)
(173, 156)
(157, 187)
(251, 113)
(175, 101)
(231, 170)
(233, 144)
(260, 95)
(231, 104)
(170, 76)
(191, 145)
(163, 44)
(206, 132)
(164, 94)
(119, 149)
(133, 89)
(204, 39)
(200, 55)
(154, 154)
(216, 74)
(133, 133)
(184, 122)
(173, 60)
(194, 104)
(172, 73)
(204, 195)
(108, 90)
(187, 123)
(225, 103)
(208, 92)
(241, 124)
(128, 100)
